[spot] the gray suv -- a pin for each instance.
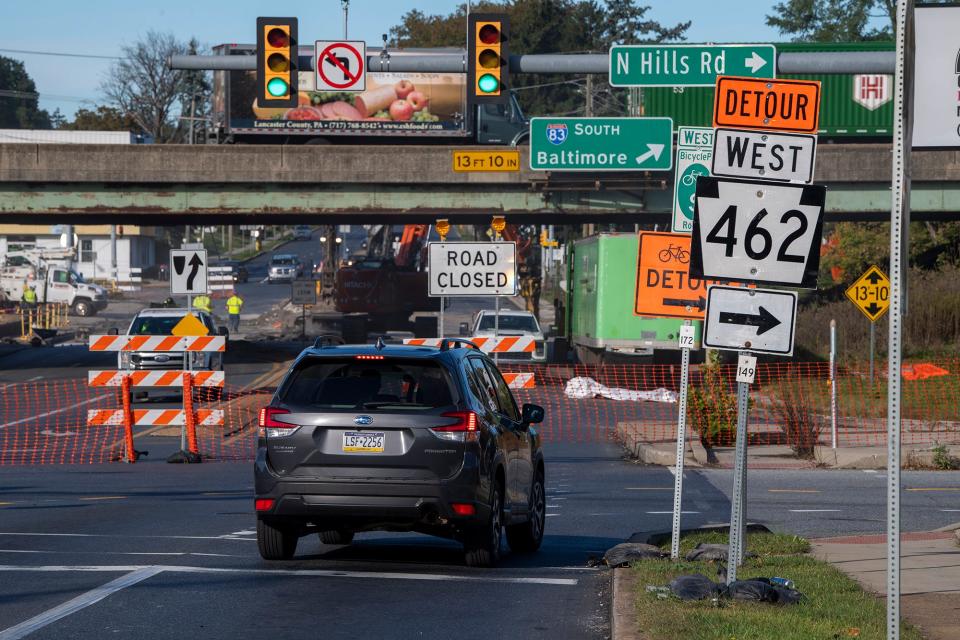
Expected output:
(399, 438)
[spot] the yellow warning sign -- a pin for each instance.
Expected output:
(871, 293)
(190, 325)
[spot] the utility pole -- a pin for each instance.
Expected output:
(113, 253)
(345, 4)
(589, 108)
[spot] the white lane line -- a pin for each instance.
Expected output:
(35, 378)
(116, 535)
(126, 553)
(55, 411)
(673, 471)
(660, 513)
(554, 506)
(322, 573)
(552, 515)
(814, 510)
(82, 601)
(950, 510)
(245, 532)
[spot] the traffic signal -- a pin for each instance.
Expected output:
(488, 58)
(277, 62)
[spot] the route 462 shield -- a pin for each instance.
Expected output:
(757, 232)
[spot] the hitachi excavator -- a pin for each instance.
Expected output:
(389, 280)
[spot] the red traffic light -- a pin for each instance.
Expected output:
(278, 38)
(489, 34)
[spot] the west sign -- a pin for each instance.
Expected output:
(783, 157)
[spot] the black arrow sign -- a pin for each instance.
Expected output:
(874, 277)
(874, 309)
(179, 262)
(700, 303)
(196, 263)
(764, 321)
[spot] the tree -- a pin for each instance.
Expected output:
(832, 20)
(19, 107)
(195, 97)
(142, 85)
(547, 26)
(103, 118)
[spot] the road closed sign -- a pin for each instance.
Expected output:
(473, 268)
(775, 105)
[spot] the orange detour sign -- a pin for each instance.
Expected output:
(664, 287)
(776, 105)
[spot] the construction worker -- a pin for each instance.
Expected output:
(203, 303)
(29, 299)
(234, 303)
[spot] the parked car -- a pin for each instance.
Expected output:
(302, 232)
(512, 323)
(160, 322)
(399, 438)
(284, 267)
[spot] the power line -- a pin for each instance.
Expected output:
(61, 54)
(32, 95)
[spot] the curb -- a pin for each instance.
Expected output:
(623, 625)
(645, 452)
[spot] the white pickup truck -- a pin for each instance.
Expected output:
(52, 280)
(512, 323)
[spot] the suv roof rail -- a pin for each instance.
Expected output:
(446, 342)
(329, 339)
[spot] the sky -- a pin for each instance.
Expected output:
(102, 27)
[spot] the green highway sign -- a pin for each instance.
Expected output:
(688, 65)
(601, 144)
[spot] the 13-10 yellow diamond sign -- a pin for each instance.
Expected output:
(871, 293)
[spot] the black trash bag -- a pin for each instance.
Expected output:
(694, 587)
(704, 551)
(625, 553)
(761, 590)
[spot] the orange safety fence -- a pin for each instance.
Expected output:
(46, 422)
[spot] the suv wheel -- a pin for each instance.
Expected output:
(336, 536)
(484, 549)
(275, 543)
(526, 537)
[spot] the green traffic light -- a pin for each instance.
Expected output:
(278, 87)
(488, 83)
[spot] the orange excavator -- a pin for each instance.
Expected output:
(389, 281)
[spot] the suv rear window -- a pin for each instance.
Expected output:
(350, 383)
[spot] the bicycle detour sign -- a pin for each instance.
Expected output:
(664, 286)
(694, 154)
(757, 220)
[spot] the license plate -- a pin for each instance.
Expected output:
(370, 442)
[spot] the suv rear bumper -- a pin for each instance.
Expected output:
(360, 505)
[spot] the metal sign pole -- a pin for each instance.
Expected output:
(737, 500)
(186, 367)
(681, 442)
(440, 328)
(873, 343)
(833, 383)
(899, 224)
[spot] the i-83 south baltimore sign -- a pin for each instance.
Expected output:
(601, 144)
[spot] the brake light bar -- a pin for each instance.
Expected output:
(369, 357)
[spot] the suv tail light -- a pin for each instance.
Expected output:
(463, 430)
(270, 428)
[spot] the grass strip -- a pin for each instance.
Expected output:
(835, 605)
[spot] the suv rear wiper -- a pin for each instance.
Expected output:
(390, 403)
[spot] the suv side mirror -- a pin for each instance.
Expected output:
(113, 331)
(532, 414)
(464, 329)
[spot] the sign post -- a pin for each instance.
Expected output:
(303, 293)
(688, 65)
(686, 342)
(601, 144)
(694, 156)
(871, 294)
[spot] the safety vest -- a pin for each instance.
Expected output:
(233, 304)
(29, 295)
(203, 303)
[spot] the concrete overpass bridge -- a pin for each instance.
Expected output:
(176, 184)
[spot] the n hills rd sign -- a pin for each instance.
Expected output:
(688, 65)
(601, 144)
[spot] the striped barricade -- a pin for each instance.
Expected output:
(157, 343)
(154, 417)
(154, 378)
(523, 380)
(220, 278)
(130, 280)
(487, 344)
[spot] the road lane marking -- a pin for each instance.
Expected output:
(950, 510)
(118, 535)
(321, 573)
(648, 488)
(793, 490)
(935, 489)
(552, 515)
(660, 513)
(814, 510)
(82, 601)
(55, 411)
(103, 498)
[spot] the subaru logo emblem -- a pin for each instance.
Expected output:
(363, 420)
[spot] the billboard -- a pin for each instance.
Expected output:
(393, 103)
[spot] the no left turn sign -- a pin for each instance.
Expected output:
(341, 66)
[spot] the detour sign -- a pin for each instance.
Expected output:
(664, 286)
(777, 105)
